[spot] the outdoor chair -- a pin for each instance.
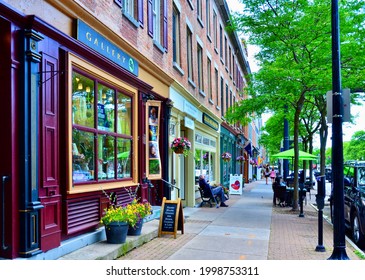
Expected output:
(208, 197)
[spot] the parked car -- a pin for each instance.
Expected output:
(328, 173)
(354, 200)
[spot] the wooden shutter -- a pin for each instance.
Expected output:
(150, 18)
(140, 12)
(165, 29)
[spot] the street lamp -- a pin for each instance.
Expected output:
(339, 245)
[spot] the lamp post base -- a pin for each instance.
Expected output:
(320, 248)
(339, 254)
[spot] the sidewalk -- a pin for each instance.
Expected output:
(250, 228)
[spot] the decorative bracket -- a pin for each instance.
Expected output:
(53, 75)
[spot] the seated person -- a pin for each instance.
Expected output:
(216, 191)
(279, 192)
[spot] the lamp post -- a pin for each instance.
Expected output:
(339, 251)
(286, 146)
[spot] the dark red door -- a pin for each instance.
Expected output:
(49, 189)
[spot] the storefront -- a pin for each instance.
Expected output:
(228, 144)
(202, 130)
(78, 126)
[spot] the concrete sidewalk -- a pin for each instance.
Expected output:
(250, 228)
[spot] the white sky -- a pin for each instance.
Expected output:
(357, 111)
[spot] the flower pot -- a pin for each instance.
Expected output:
(137, 229)
(179, 150)
(116, 232)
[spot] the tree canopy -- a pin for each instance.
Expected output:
(295, 59)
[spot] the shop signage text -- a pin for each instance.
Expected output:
(99, 43)
(210, 122)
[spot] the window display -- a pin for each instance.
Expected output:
(153, 152)
(101, 133)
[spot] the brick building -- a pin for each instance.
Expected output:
(93, 94)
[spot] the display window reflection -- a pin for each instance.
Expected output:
(101, 131)
(204, 164)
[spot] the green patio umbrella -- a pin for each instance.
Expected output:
(289, 154)
(123, 155)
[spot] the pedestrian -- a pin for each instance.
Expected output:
(267, 173)
(272, 175)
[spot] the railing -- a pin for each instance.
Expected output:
(172, 186)
(3, 246)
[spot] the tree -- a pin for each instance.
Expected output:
(294, 38)
(355, 149)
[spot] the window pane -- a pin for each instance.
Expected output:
(198, 164)
(106, 157)
(124, 120)
(106, 108)
(124, 158)
(82, 156)
(82, 100)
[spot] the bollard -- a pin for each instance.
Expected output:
(321, 194)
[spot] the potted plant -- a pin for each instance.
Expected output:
(138, 211)
(226, 157)
(116, 220)
(181, 145)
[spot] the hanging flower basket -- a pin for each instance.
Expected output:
(179, 150)
(181, 145)
(226, 157)
(240, 159)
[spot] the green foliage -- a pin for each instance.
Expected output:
(355, 149)
(295, 58)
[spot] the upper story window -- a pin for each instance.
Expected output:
(200, 68)
(215, 30)
(209, 79)
(176, 35)
(207, 19)
(129, 7)
(189, 53)
(199, 9)
(132, 10)
(156, 19)
(225, 52)
(216, 75)
(157, 23)
(221, 41)
(222, 96)
(101, 130)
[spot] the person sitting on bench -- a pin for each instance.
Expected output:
(216, 191)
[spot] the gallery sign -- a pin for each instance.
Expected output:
(99, 43)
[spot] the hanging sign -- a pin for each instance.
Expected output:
(235, 184)
(171, 217)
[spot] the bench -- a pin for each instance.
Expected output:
(208, 197)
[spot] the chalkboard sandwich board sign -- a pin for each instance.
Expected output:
(171, 218)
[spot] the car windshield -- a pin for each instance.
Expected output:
(361, 176)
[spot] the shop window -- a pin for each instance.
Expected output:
(101, 131)
(172, 128)
(204, 164)
(198, 138)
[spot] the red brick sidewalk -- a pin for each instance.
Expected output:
(296, 238)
